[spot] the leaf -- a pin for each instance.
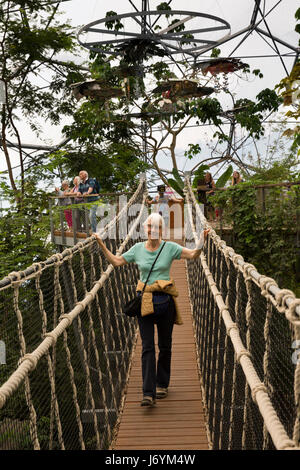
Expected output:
(220, 183)
(177, 177)
(175, 186)
(199, 174)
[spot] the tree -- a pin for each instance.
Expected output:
(31, 37)
(289, 88)
(153, 94)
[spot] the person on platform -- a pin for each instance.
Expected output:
(162, 201)
(65, 201)
(236, 178)
(204, 188)
(87, 188)
(79, 214)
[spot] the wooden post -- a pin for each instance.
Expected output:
(51, 221)
(74, 220)
(63, 237)
(86, 221)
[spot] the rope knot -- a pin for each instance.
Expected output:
(258, 388)
(57, 258)
(38, 266)
(52, 336)
(68, 254)
(280, 299)
(246, 268)
(66, 316)
(81, 304)
(282, 295)
(233, 326)
(15, 274)
(265, 282)
(227, 251)
(236, 258)
(31, 358)
(291, 314)
(241, 353)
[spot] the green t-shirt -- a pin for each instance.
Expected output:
(144, 259)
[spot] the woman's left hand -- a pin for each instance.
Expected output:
(206, 231)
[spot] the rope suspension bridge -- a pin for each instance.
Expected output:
(69, 358)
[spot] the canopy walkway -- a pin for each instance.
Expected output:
(69, 358)
(177, 422)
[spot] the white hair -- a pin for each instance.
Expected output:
(65, 182)
(156, 221)
(76, 178)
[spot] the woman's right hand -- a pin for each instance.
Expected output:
(97, 236)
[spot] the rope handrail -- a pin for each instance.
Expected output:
(95, 337)
(124, 193)
(74, 299)
(29, 361)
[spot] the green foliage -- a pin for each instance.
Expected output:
(193, 150)
(206, 110)
(258, 73)
(163, 7)
(251, 117)
(289, 91)
(264, 232)
(178, 28)
(176, 183)
(199, 174)
(113, 24)
(297, 27)
(215, 52)
(31, 37)
(161, 71)
(222, 180)
(24, 230)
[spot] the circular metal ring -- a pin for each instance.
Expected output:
(169, 36)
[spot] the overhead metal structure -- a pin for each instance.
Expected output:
(174, 41)
(168, 38)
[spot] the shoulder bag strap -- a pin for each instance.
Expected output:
(153, 267)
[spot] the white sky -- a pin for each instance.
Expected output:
(237, 13)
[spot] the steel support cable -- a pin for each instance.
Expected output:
(29, 361)
(259, 393)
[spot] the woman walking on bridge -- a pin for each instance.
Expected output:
(159, 301)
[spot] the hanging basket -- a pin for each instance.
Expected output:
(96, 90)
(137, 50)
(216, 66)
(182, 88)
(125, 70)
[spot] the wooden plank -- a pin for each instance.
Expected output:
(178, 421)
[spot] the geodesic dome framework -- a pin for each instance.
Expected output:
(236, 29)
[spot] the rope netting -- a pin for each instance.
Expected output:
(246, 331)
(66, 347)
(67, 344)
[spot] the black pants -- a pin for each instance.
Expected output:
(163, 316)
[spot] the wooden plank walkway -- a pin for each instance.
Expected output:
(176, 422)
